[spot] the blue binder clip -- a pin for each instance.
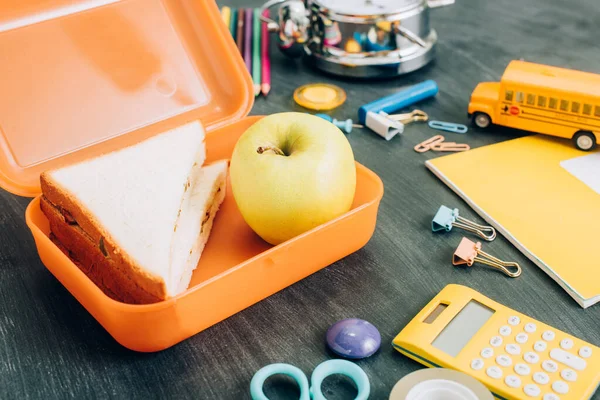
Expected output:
(446, 218)
(448, 126)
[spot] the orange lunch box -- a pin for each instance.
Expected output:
(81, 78)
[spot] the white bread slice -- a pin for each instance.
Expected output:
(200, 203)
(143, 206)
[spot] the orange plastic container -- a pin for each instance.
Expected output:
(80, 78)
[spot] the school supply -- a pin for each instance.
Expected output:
(469, 252)
(312, 391)
(541, 98)
(448, 126)
(265, 57)
(425, 145)
(240, 35)
(440, 384)
(518, 184)
(319, 96)
(353, 338)
(226, 15)
(438, 143)
(256, 51)
(446, 218)
(375, 115)
(248, 26)
(346, 126)
(413, 116)
(512, 354)
(233, 24)
(450, 146)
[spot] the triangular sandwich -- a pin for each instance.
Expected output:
(136, 220)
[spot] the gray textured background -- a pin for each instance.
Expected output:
(50, 347)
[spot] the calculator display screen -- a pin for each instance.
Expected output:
(462, 328)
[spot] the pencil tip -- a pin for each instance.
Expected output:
(256, 90)
(266, 88)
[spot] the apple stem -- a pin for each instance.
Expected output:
(274, 149)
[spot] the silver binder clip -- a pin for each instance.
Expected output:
(383, 125)
(446, 218)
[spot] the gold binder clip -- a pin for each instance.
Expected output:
(469, 252)
(413, 116)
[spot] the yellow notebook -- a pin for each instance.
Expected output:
(543, 195)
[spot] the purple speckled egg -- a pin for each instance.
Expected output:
(353, 338)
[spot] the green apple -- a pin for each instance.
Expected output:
(291, 172)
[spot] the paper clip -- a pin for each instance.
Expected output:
(448, 126)
(469, 252)
(426, 145)
(446, 218)
(450, 146)
(413, 116)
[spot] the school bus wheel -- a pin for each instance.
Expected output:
(584, 140)
(482, 120)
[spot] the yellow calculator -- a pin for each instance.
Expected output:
(515, 356)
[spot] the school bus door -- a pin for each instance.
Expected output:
(508, 107)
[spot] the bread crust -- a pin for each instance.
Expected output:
(61, 201)
(86, 254)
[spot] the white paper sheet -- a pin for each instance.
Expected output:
(586, 169)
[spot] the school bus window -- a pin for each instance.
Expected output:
(564, 105)
(520, 97)
(552, 103)
(509, 95)
(541, 101)
(597, 111)
(575, 107)
(587, 109)
(531, 99)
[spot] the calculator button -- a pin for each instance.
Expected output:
(514, 320)
(549, 366)
(540, 346)
(496, 341)
(568, 375)
(504, 360)
(512, 381)
(585, 352)
(477, 364)
(570, 360)
(560, 387)
(521, 338)
(550, 396)
(522, 369)
(548, 336)
(532, 390)
(494, 372)
(505, 330)
(530, 327)
(541, 377)
(513, 349)
(487, 352)
(531, 357)
(566, 344)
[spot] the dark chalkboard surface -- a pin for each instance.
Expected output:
(50, 347)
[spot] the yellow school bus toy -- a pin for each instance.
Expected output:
(543, 99)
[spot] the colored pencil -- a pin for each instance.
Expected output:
(265, 57)
(240, 31)
(248, 39)
(233, 23)
(226, 14)
(256, 49)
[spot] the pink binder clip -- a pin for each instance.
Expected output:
(469, 252)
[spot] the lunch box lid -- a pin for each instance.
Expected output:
(81, 78)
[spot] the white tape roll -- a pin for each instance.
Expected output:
(439, 384)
